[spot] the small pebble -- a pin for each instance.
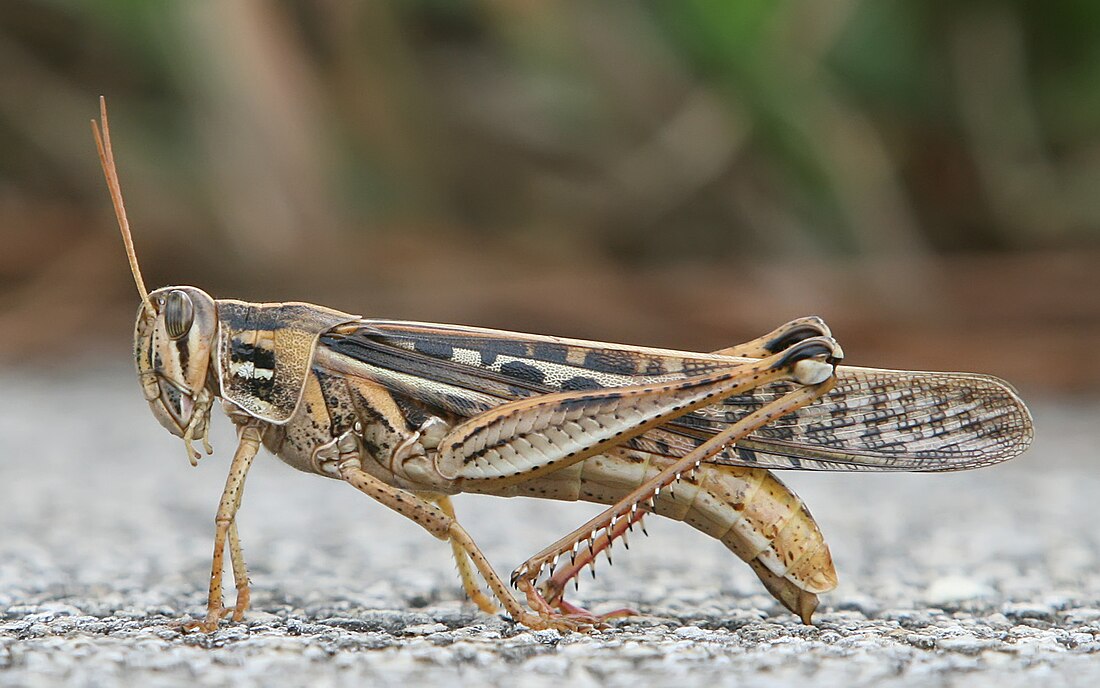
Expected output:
(424, 629)
(951, 589)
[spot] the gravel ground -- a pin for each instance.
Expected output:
(987, 578)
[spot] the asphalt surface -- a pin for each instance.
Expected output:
(988, 578)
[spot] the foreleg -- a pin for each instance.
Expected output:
(225, 527)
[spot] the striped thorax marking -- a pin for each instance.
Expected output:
(252, 357)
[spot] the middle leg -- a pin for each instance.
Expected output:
(462, 561)
(346, 451)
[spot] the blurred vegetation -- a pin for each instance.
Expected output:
(367, 144)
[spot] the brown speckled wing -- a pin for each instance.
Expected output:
(873, 420)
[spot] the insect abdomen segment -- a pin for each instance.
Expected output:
(753, 514)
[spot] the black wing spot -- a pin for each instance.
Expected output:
(489, 349)
(615, 362)
(523, 371)
(550, 352)
(579, 383)
(434, 348)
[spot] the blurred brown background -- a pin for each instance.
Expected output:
(687, 174)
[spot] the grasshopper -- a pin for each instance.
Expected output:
(412, 413)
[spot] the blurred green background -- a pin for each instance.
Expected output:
(924, 175)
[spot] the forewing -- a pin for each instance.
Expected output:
(875, 420)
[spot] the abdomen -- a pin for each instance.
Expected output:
(748, 509)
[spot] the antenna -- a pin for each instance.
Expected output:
(110, 172)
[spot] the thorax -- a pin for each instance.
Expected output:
(390, 431)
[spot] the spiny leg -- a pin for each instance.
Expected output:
(247, 448)
(462, 561)
(586, 543)
(530, 437)
(443, 526)
(615, 521)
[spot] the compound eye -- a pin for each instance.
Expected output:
(179, 313)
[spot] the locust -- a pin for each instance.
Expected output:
(412, 413)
